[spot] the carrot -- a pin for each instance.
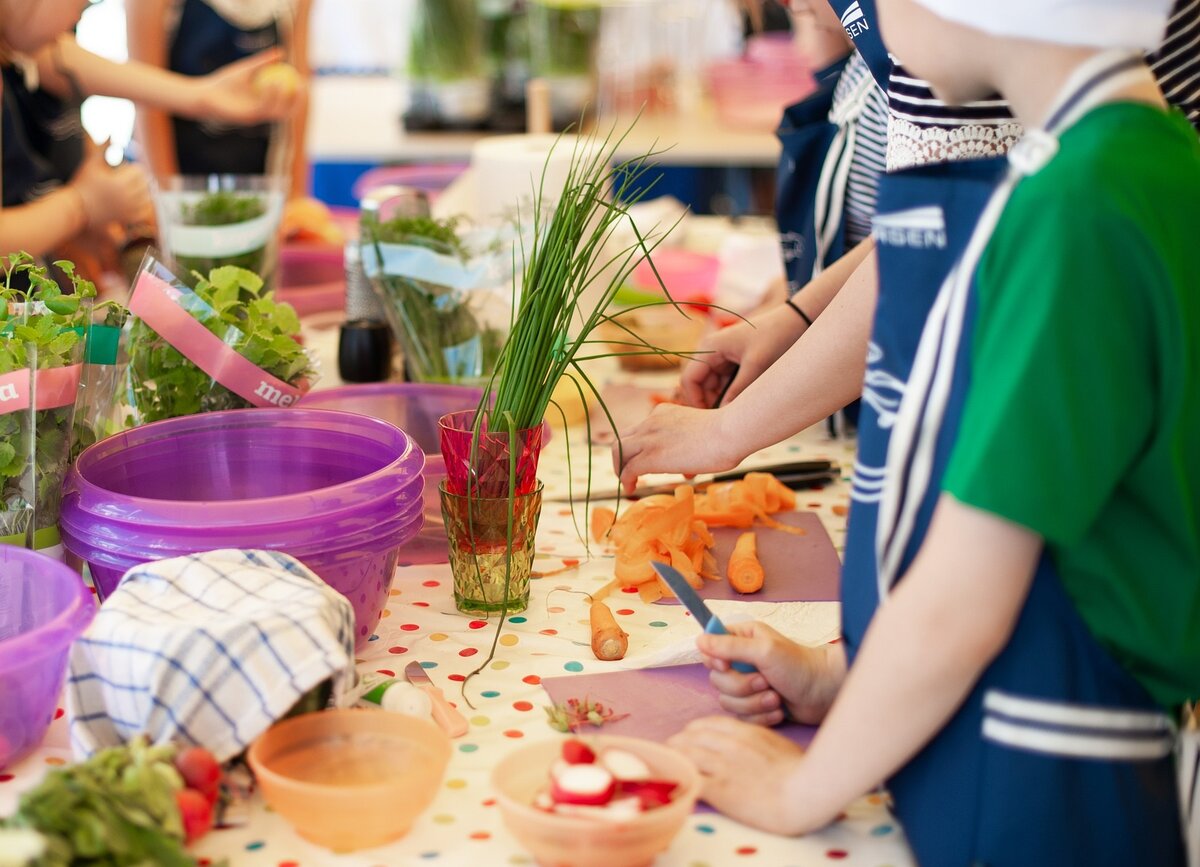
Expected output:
(745, 571)
(602, 522)
(609, 641)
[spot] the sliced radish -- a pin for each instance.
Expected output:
(624, 765)
(617, 810)
(543, 801)
(583, 784)
(650, 793)
(558, 767)
(577, 753)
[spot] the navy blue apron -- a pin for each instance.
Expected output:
(204, 42)
(1058, 756)
(805, 134)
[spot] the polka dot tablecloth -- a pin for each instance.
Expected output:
(463, 826)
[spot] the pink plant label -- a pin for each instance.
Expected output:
(56, 387)
(156, 303)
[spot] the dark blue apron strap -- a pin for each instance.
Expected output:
(862, 26)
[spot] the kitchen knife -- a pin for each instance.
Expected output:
(445, 715)
(802, 474)
(686, 594)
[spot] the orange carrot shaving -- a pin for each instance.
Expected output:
(745, 571)
(602, 521)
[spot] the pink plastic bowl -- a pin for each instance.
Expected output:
(752, 95)
(687, 276)
(44, 606)
(340, 492)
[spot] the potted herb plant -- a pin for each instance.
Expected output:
(562, 38)
(209, 221)
(224, 344)
(434, 293)
(446, 64)
(42, 334)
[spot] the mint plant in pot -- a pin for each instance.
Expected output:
(42, 336)
(208, 221)
(434, 292)
(224, 344)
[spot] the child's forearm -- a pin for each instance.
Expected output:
(924, 651)
(819, 375)
(143, 83)
(44, 224)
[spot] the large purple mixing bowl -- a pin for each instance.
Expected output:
(340, 492)
(44, 606)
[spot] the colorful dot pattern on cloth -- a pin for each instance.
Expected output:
(463, 827)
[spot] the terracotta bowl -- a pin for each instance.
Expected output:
(350, 779)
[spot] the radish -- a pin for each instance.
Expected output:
(617, 810)
(544, 802)
(650, 793)
(624, 765)
(589, 785)
(577, 753)
(200, 771)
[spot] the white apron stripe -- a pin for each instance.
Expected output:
(1070, 744)
(1062, 713)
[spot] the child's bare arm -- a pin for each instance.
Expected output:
(929, 642)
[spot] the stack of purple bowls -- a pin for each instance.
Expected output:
(340, 492)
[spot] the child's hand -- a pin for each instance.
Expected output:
(676, 439)
(111, 195)
(749, 773)
(743, 350)
(237, 94)
(792, 680)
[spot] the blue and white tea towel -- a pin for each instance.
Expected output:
(207, 649)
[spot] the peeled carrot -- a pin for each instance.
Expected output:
(745, 571)
(609, 641)
(602, 521)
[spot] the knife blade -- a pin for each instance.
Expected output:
(445, 714)
(686, 594)
(798, 475)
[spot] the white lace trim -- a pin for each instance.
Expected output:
(912, 145)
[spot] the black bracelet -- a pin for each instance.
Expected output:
(807, 321)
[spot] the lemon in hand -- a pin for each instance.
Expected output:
(278, 76)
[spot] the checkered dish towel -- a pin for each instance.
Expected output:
(207, 649)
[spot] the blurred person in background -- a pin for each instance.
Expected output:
(197, 37)
(60, 196)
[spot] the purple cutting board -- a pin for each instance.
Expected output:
(795, 568)
(659, 701)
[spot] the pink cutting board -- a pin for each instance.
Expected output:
(659, 701)
(795, 568)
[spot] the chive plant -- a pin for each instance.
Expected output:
(570, 276)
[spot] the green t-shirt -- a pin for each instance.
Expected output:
(1082, 421)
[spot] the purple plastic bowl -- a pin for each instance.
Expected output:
(44, 606)
(340, 492)
(414, 408)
